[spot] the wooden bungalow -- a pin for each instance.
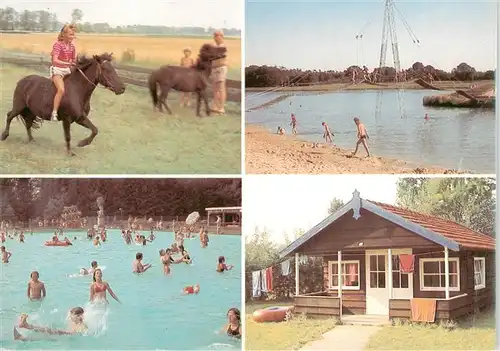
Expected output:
(451, 265)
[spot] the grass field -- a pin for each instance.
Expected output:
(132, 138)
(150, 51)
(478, 335)
(290, 335)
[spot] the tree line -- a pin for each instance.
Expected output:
(46, 21)
(24, 199)
(467, 201)
(274, 76)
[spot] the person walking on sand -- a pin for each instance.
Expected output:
(293, 123)
(219, 75)
(362, 137)
(327, 133)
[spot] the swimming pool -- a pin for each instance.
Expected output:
(153, 314)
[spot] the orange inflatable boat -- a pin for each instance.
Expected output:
(271, 314)
(57, 243)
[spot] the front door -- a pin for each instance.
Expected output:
(377, 292)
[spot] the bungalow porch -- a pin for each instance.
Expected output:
(363, 240)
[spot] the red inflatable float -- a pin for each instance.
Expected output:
(272, 314)
(58, 243)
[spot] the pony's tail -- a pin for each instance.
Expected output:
(153, 88)
(36, 124)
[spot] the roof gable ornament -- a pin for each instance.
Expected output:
(356, 204)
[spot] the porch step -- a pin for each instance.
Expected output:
(365, 319)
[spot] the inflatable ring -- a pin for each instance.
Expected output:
(272, 314)
(57, 243)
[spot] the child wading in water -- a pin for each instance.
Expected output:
(63, 57)
(327, 133)
(5, 254)
(362, 137)
(36, 288)
(186, 61)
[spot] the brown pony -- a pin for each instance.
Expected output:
(34, 95)
(185, 79)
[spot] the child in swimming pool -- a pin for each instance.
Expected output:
(99, 287)
(97, 241)
(36, 288)
(191, 289)
(185, 255)
(76, 325)
(233, 328)
(93, 267)
(221, 266)
(5, 254)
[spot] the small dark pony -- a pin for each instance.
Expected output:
(34, 96)
(185, 79)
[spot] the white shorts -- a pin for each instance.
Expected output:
(219, 74)
(58, 71)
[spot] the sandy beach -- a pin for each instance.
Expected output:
(268, 153)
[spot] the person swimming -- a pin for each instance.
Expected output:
(76, 325)
(93, 267)
(191, 289)
(185, 255)
(233, 328)
(221, 266)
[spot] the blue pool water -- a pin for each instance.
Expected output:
(461, 139)
(153, 314)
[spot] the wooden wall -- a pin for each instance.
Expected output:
(316, 305)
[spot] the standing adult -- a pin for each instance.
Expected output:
(219, 75)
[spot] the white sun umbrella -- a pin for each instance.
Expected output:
(192, 218)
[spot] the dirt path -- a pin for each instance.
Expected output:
(268, 153)
(344, 337)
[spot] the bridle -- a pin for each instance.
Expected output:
(99, 74)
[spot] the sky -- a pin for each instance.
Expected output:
(282, 204)
(180, 13)
(321, 34)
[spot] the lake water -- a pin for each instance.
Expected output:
(153, 314)
(453, 138)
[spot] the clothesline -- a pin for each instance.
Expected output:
(415, 254)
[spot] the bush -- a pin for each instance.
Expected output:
(128, 56)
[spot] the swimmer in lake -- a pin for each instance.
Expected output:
(192, 289)
(99, 287)
(76, 325)
(36, 288)
(5, 254)
(293, 123)
(327, 133)
(222, 266)
(233, 328)
(21, 237)
(93, 267)
(362, 137)
(137, 266)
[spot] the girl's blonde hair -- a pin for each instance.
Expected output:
(65, 29)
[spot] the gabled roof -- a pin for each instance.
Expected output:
(440, 231)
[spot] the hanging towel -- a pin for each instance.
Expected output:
(423, 310)
(407, 263)
(286, 269)
(256, 284)
(269, 278)
(263, 281)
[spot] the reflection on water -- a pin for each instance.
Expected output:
(451, 138)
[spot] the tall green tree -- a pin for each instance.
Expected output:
(467, 201)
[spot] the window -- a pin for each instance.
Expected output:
(399, 280)
(479, 273)
(377, 271)
(350, 275)
(432, 277)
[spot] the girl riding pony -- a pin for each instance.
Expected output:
(63, 57)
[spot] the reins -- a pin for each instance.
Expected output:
(98, 74)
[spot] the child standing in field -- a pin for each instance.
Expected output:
(36, 288)
(362, 137)
(186, 61)
(63, 57)
(327, 133)
(5, 254)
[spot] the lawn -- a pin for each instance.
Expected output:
(290, 335)
(150, 51)
(132, 138)
(480, 335)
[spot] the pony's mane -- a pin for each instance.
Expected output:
(84, 60)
